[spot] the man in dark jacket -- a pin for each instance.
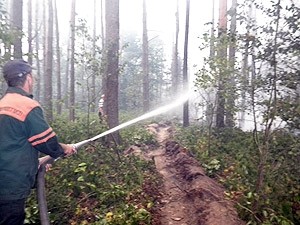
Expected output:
(23, 133)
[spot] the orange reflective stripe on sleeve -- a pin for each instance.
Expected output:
(42, 137)
(46, 132)
(43, 140)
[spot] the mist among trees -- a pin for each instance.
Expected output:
(242, 121)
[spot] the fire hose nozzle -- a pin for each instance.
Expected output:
(81, 143)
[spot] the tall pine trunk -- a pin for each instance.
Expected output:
(44, 41)
(66, 90)
(72, 63)
(58, 70)
(17, 26)
(49, 65)
(103, 78)
(112, 36)
(93, 87)
(30, 51)
(37, 50)
(230, 108)
(210, 106)
(222, 57)
(246, 68)
(185, 65)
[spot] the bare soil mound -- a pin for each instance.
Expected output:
(188, 196)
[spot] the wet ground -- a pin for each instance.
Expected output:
(187, 196)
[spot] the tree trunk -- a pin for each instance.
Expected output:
(112, 37)
(66, 78)
(175, 64)
(93, 87)
(58, 71)
(30, 51)
(245, 69)
(222, 55)
(72, 64)
(185, 63)
(209, 111)
(145, 61)
(44, 41)
(49, 61)
(230, 108)
(103, 80)
(37, 50)
(17, 26)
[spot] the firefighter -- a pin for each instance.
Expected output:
(24, 133)
(101, 108)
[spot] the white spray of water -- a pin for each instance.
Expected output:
(183, 98)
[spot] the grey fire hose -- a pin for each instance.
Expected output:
(41, 194)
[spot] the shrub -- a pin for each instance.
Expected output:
(231, 156)
(89, 187)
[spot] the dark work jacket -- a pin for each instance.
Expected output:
(23, 132)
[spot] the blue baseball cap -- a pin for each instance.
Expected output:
(16, 68)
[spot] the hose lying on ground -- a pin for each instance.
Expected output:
(41, 196)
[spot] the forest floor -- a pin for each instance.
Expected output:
(187, 196)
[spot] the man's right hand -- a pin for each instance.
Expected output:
(69, 149)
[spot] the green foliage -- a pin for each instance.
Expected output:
(137, 135)
(232, 157)
(212, 167)
(97, 186)
(89, 52)
(129, 214)
(271, 79)
(268, 84)
(289, 111)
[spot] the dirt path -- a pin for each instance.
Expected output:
(189, 197)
